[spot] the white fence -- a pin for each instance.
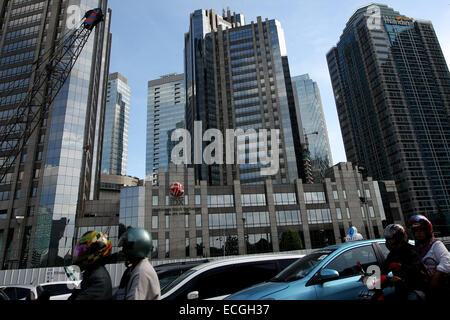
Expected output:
(42, 275)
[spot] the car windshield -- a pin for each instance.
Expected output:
(301, 267)
(177, 281)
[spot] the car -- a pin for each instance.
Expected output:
(3, 296)
(53, 290)
(218, 279)
(331, 273)
(170, 271)
(22, 292)
(61, 290)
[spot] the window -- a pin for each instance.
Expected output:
(167, 248)
(253, 200)
(186, 221)
(362, 212)
(186, 199)
(217, 201)
(288, 217)
(198, 220)
(335, 195)
(167, 222)
(222, 221)
(3, 214)
(367, 193)
(198, 199)
(256, 219)
(371, 212)
(154, 222)
(316, 216)
(345, 194)
(348, 212)
(154, 200)
(315, 197)
(346, 263)
(154, 248)
(284, 198)
(187, 247)
(339, 213)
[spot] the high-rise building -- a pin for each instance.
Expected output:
(392, 91)
(237, 77)
(314, 125)
(115, 137)
(59, 167)
(165, 113)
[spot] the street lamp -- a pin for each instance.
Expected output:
(361, 169)
(307, 158)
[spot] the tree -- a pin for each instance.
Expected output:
(291, 240)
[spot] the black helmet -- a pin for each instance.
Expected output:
(395, 232)
(136, 243)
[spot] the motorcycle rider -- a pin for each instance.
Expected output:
(433, 254)
(409, 274)
(90, 254)
(139, 281)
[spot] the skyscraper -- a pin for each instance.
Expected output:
(314, 125)
(117, 115)
(237, 77)
(392, 91)
(59, 168)
(165, 113)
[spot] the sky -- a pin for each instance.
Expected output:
(148, 42)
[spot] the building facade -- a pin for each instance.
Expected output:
(59, 168)
(237, 77)
(241, 219)
(392, 92)
(117, 118)
(165, 113)
(314, 125)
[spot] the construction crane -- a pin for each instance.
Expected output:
(51, 70)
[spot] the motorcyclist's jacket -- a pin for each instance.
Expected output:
(405, 264)
(96, 285)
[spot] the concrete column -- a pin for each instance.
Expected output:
(303, 213)
(332, 206)
(205, 220)
(272, 216)
(239, 216)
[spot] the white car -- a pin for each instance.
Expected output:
(56, 290)
(218, 279)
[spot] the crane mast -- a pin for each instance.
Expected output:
(51, 71)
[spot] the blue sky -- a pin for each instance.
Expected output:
(148, 42)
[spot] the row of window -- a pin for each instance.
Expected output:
(26, 9)
(19, 45)
(15, 71)
(25, 20)
(29, 55)
(22, 32)
(18, 84)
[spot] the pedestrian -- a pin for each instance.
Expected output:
(409, 275)
(90, 254)
(139, 281)
(353, 235)
(434, 256)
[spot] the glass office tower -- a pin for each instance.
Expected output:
(117, 116)
(59, 168)
(314, 125)
(165, 113)
(392, 92)
(237, 77)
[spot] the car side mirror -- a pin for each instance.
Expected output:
(194, 295)
(328, 275)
